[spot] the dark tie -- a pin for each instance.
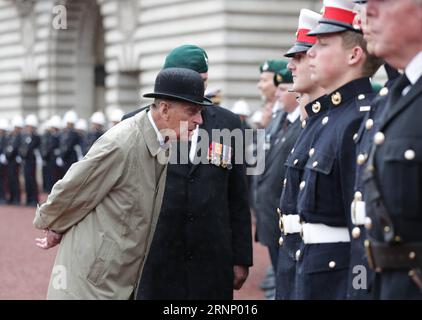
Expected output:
(396, 92)
(398, 87)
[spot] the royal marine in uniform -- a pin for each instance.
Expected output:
(290, 240)
(392, 176)
(30, 145)
(364, 140)
(326, 189)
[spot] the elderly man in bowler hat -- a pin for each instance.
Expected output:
(106, 207)
(202, 246)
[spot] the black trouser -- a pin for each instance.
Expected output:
(13, 179)
(52, 174)
(31, 187)
(3, 182)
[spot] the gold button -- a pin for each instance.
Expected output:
(297, 254)
(336, 98)
(355, 136)
(368, 223)
(412, 255)
(356, 232)
(295, 162)
(361, 159)
(280, 241)
(302, 185)
(332, 264)
(316, 107)
(409, 154)
(361, 96)
(369, 124)
(379, 138)
(383, 91)
(315, 164)
(358, 196)
(311, 152)
(324, 121)
(293, 150)
(303, 123)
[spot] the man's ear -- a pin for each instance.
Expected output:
(164, 108)
(356, 55)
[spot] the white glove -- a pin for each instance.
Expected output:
(59, 162)
(3, 159)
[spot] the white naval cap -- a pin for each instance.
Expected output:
(70, 117)
(31, 120)
(98, 118)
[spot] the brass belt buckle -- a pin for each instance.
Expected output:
(280, 220)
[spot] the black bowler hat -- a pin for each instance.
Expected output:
(179, 84)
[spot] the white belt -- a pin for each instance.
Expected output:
(320, 233)
(358, 212)
(291, 223)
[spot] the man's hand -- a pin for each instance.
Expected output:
(240, 275)
(50, 240)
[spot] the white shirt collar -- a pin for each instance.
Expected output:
(292, 116)
(277, 106)
(159, 135)
(414, 68)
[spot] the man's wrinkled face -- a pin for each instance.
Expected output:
(395, 26)
(266, 85)
(183, 118)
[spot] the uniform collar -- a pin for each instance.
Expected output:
(317, 106)
(292, 116)
(414, 69)
(350, 90)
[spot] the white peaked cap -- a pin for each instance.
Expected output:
(4, 124)
(81, 125)
(341, 4)
(116, 115)
(98, 118)
(17, 122)
(31, 120)
(241, 107)
(308, 19)
(70, 117)
(55, 122)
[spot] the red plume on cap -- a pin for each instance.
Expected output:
(307, 20)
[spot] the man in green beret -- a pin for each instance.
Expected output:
(202, 245)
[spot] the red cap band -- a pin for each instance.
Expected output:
(338, 14)
(302, 37)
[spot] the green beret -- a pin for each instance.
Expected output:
(189, 57)
(273, 65)
(283, 76)
(376, 87)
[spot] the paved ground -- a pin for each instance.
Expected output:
(25, 269)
